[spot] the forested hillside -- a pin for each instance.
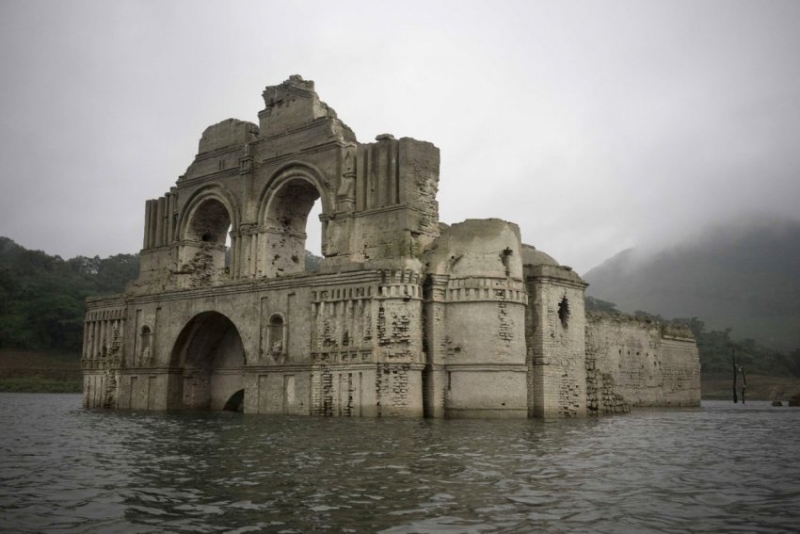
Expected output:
(42, 297)
(745, 278)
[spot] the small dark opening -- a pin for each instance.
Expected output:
(207, 237)
(236, 402)
(563, 312)
(504, 258)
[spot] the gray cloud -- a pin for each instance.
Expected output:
(595, 126)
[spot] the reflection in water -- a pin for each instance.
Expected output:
(720, 468)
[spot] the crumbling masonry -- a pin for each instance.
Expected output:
(406, 317)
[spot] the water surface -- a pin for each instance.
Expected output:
(719, 468)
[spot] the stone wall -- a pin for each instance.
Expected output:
(639, 362)
(555, 329)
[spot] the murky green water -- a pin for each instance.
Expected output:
(721, 468)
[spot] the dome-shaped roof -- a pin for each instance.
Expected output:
(531, 256)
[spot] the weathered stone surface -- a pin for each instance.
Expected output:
(645, 362)
(407, 316)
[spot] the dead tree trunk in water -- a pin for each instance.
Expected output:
(733, 359)
(744, 383)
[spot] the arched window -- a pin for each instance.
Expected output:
(276, 336)
(207, 239)
(288, 213)
(145, 351)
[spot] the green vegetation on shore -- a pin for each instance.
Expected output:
(42, 307)
(40, 371)
(43, 297)
(35, 384)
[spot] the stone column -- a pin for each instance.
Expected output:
(147, 208)
(152, 222)
(159, 222)
(170, 217)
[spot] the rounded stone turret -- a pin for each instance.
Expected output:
(534, 257)
(477, 247)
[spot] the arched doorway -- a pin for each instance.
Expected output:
(210, 354)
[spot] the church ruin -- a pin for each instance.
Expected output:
(405, 317)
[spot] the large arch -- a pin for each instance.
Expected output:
(210, 354)
(288, 172)
(200, 197)
(284, 205)
(203, 227)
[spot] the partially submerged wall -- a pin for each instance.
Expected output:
(639, 362)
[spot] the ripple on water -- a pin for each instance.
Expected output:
(720, 468)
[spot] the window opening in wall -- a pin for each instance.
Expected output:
(276, 341)
(563, 312)
(208, 233)
(293, 211)
(144, 357)
(313, 253)
(228, 250)
(505, 258)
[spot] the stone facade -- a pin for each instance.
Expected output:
(406, 317)
(638, 362)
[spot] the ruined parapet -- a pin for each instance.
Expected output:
(294, 104)
(647, 362)
(241, 209)
(554, 328)
(474, 313)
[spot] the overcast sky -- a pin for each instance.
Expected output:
(595, 126)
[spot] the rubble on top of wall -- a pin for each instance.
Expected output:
(667, 328)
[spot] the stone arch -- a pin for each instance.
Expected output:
(283, 209)
(210, 355)
(288, 172)
(236, 402)
(203, 227)
(204, 197)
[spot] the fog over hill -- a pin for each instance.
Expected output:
(744, 276)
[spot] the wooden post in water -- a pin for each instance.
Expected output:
(733, 359)
(744, 383)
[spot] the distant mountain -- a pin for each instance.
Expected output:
(746, 278)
